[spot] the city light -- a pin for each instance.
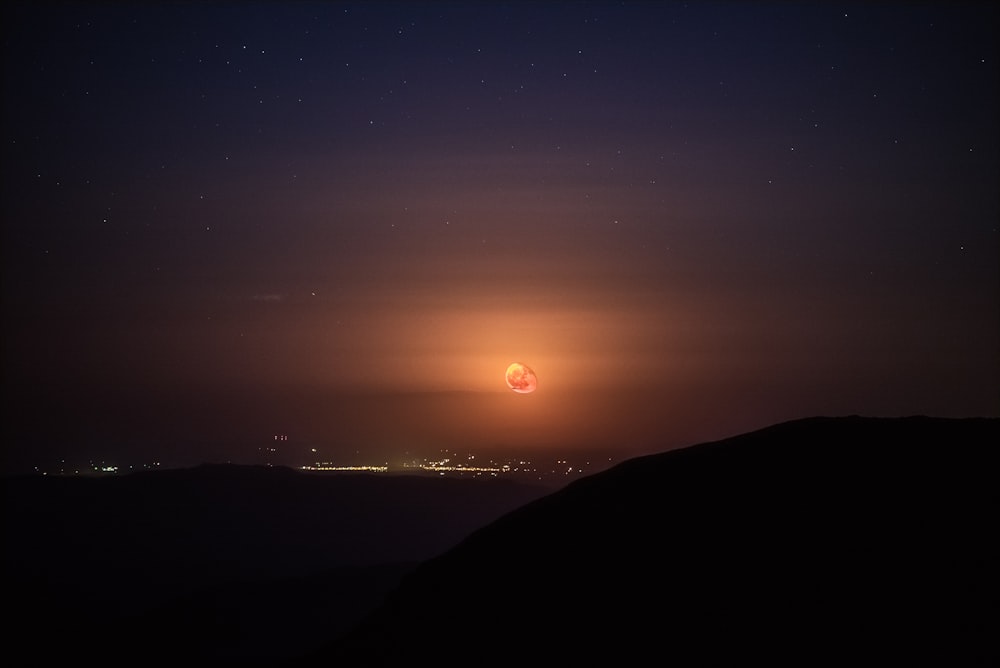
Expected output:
(334, 467)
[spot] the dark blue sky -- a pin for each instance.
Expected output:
(342, 221)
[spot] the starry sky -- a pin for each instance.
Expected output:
(342, 221)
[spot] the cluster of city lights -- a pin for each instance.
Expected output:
(326, 466)
(447, 462)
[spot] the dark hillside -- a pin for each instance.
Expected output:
(829, 539)
(218, 556)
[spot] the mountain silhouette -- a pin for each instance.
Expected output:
(218, 561)
(825, 540)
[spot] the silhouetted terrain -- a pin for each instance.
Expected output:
(218, 561)
(849, 540)
(827, 540)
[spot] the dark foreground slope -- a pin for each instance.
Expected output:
(217, 562)
(847, 540)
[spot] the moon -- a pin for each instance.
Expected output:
(521, 378)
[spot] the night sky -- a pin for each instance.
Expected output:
(342, 221)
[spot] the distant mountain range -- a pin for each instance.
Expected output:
(826, 540)
(847, 541)
(218, 561)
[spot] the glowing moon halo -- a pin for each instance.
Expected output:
(521, 378)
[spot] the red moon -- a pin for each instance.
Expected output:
(521, 379)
